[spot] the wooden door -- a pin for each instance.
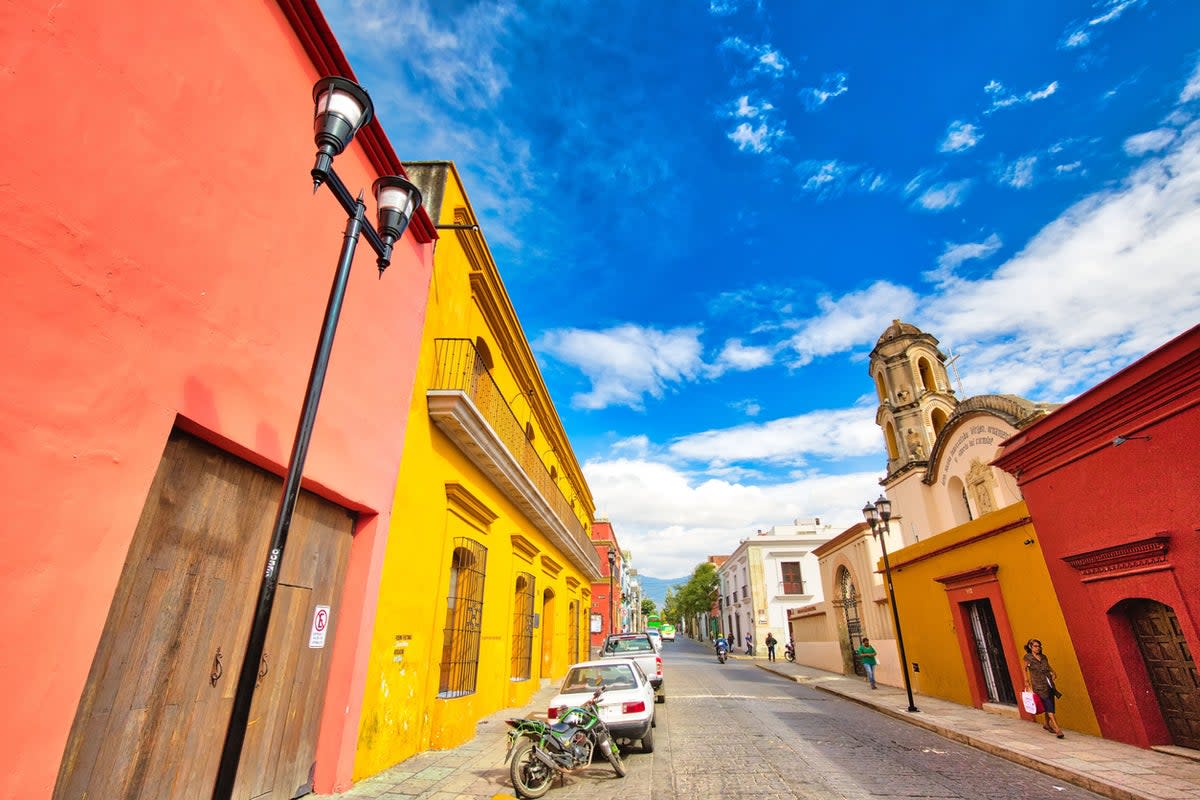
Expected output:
(1171, 667)
(154, 711)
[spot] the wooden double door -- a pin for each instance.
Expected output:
(1171, 668)
(154, 713)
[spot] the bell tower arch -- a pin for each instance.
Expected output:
(915, 398)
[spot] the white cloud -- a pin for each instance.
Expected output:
(626, 363)
(850, 320)
(1003, 98)
(837, 434)
(944, 195)
(746, 108)
(831, 86)
(750, 408)
(1149, 142)
(1117, 268)
(764, 59)
(955, 254)
(960, 136)
(827, 178)
(739, 357)
(1192, 90)
(1066, 169)
(755, 138)
(1080, 34)
(1018, 174)
(671, 520)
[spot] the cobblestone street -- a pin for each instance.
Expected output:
(736, 730)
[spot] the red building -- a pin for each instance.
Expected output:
(606, 595)
(166, 268)
(1112, 481)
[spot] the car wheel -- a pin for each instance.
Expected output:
(661, 697)
(648, 742)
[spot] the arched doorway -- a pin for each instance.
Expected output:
(848, 599)
(1169, 665)
(547, 633)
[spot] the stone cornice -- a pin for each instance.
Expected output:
(1129, 558)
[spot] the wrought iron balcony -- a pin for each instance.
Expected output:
(465, 403)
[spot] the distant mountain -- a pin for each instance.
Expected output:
(656, 588)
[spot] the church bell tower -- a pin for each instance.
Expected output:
(915, 398)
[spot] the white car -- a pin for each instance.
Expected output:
(627, 705)
(657, 638)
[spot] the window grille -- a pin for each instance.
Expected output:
(793, 581)
(745, 592)
(464, 618)
(522, 646)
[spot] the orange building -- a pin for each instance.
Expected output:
(165, 272)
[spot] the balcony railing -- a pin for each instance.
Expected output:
(466, 404)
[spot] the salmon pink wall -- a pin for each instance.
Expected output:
(164, 257)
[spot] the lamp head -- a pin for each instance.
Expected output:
(340, 109)
(397, 200)
(870, 515)
(612, 557)
(884, 507)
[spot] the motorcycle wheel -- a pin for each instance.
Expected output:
(530, 777)
(614, 758)
(721, 659)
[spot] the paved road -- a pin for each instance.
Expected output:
(736, 731)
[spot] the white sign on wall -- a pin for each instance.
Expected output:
(320, 624)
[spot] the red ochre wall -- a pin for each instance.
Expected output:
(162, 256)
(1085, 494)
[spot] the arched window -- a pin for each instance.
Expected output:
(522, 644)
(464, 619)
(485, 354)
(926, 371)
(879, 390)
(937, 419)
(529, 435)
(889, 435)
(959, 505)
(553, 472)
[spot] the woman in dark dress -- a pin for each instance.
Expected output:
(1040, 677)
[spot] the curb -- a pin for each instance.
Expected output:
(1054, 771)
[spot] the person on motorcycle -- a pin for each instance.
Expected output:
(721, 644)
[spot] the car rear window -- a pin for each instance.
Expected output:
(616, 676)
(639, 645)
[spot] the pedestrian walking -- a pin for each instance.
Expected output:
(771, 641)
(1039, 678)
(866, 656)
(749, 644)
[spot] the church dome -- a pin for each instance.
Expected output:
(898, 329)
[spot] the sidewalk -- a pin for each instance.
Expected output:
(1112, 769)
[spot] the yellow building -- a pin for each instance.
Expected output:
(486, 580)
(969, 598)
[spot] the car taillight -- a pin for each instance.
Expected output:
(633, 708)
(658, 665)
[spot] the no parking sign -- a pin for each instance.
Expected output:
(320, 625)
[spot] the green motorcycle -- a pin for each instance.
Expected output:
(538, 751)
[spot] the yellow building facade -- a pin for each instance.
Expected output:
(969, 598)
(485, 590)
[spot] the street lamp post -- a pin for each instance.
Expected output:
(612, 563)
(877, 517)
(342, 108)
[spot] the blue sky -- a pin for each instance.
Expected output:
(707, 212)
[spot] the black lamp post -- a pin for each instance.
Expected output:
(612, 563)
(342, 109)
(877, 517)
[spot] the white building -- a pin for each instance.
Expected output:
(766, 575)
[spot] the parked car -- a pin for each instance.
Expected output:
(656, 637)
(627, 705)
(641, 649)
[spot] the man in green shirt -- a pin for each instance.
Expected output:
(866, 654)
